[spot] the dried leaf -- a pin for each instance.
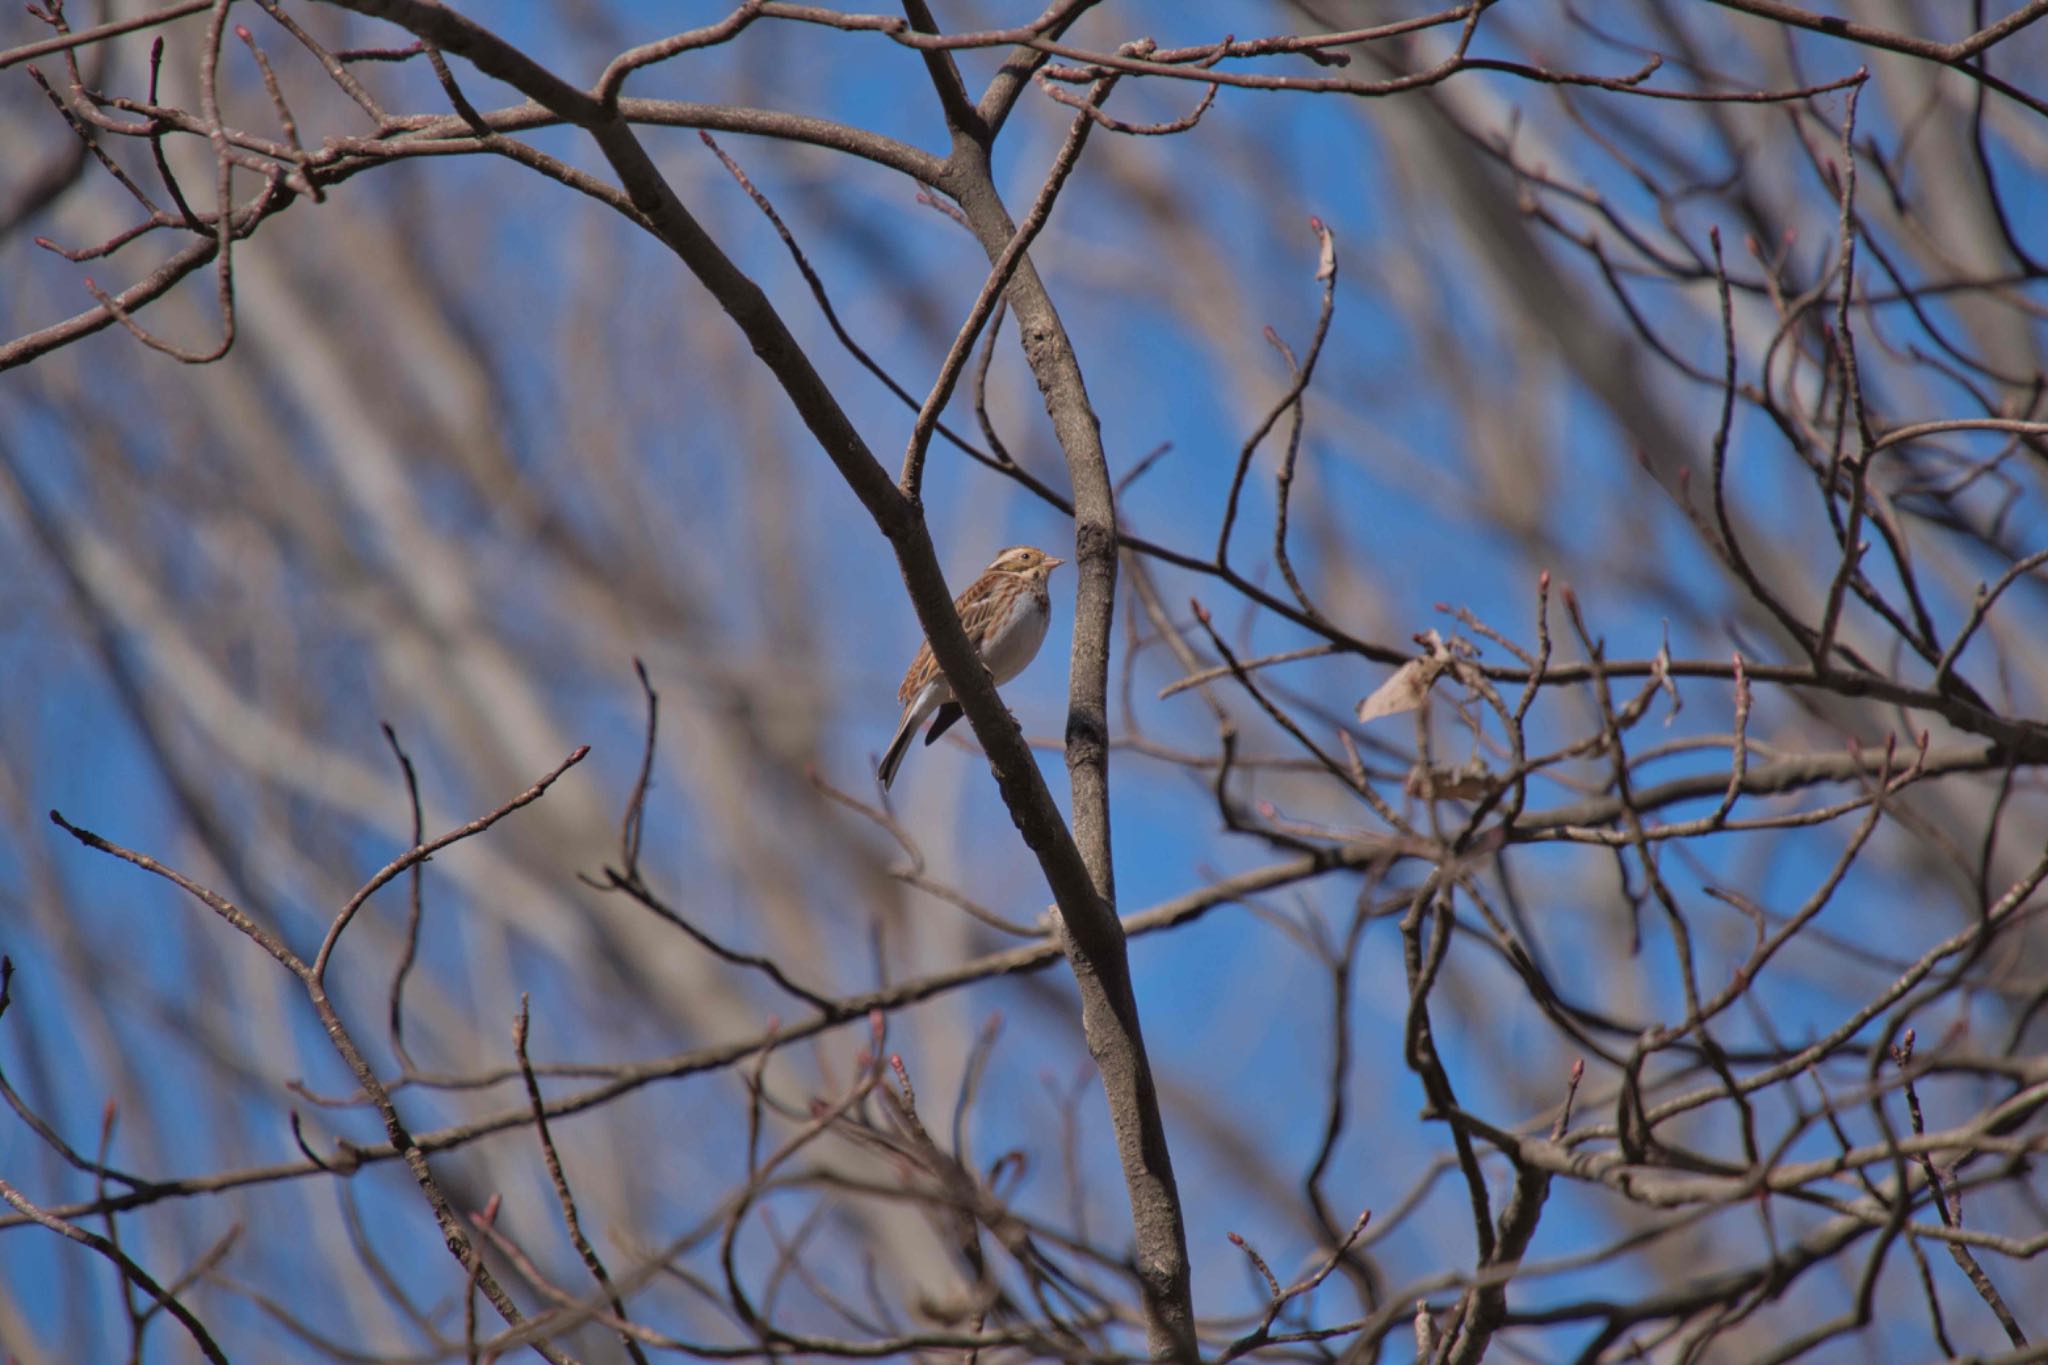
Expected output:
(1661, 671)
(1472, 782)
(1404, 691)
(1409, 686)
(1425, 1331)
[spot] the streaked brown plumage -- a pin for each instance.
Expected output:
(1004, 613)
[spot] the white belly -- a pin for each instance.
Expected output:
(1010, 650)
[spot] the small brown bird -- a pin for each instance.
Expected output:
(1004, 612)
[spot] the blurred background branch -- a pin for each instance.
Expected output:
(1593, 820)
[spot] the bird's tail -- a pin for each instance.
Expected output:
(942, 721)
(899, 746)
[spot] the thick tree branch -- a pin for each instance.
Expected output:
(1096, 941)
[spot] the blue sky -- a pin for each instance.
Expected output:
(1402, 467)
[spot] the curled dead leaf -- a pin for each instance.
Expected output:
(1403, 691)
(1409, 685)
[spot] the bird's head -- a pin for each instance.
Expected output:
(1026, 562)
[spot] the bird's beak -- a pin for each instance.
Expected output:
(1051, 563)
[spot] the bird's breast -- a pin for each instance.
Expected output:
(1013, 646)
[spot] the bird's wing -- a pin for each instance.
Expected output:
(976, 608)
(923, 668)
(981, 605)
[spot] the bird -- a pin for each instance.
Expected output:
(1004, 612)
